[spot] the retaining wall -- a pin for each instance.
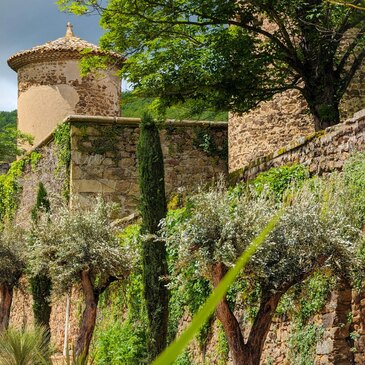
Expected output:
(103, 161)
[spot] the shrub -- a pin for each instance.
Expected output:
(24, 347)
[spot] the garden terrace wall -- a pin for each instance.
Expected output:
(343, 319)
(275, 123)
(103, 161)
(321, 152)
(46, 170)
(54, 176)
(103, 157)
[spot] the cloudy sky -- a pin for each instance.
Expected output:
(27, 23)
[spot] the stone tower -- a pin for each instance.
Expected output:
(50, 86)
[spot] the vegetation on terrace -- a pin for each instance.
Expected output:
(214, 222)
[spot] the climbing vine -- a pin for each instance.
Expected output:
(34, 158)
(300, 304)
(222, 346)
(10, 186)
(302, 343)
(204, 141)
(105, 142)
(62, 140)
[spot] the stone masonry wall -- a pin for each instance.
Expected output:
(104, 158)
(321, 152)
(104, 162)
(270, 126)
(53, 176)
(343, 319)
(277, 122)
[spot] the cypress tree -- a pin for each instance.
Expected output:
(153, 208)
(41, 284)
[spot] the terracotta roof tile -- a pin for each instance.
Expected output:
(67, 47)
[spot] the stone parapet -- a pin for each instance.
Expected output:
(322, 152)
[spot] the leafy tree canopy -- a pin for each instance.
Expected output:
(135, 106)
(8, 119)
(69, 243)
(232, 55)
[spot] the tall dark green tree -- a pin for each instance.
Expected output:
(153, 209)
(234, 54)
(41, 284)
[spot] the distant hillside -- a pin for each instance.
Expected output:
(134, 106)
(8, 134)
(8, 119)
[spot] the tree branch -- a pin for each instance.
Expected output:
(347, 79)
(111, 279)
(349, 50)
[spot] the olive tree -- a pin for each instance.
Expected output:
(81, 247)
(12, 264)
(313, 232)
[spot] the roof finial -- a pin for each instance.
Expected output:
(69, 31)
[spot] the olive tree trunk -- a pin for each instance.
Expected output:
(6, 299)
(242, 353)
(88, 320)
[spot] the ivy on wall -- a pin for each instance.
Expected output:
(62, 140)
(302, 343)
(204, 140)
(10, 186)
(106, 141)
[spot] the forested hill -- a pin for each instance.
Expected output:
(8, 119)
(8, 136)
(134, 107)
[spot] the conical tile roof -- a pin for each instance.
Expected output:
(67, 47)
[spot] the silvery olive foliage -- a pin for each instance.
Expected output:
(12, 257)
(217, 226)
(314, 231)
(70, 242)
